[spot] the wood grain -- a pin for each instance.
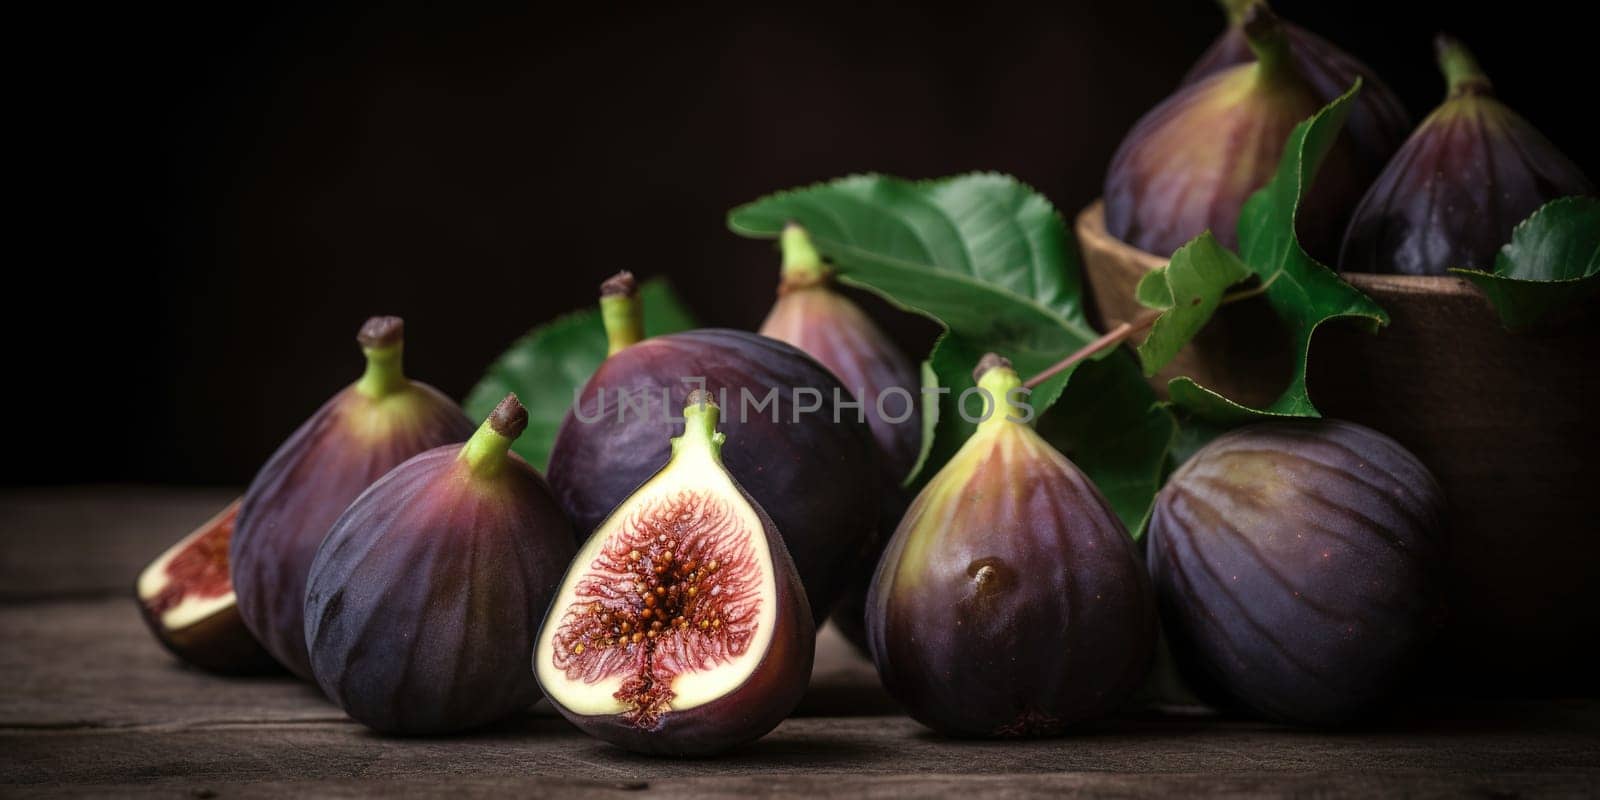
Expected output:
(90, 705)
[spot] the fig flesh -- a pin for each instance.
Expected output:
(682, 627)
(813, 316)
(1452, 194)
(186, 597)
(1296, 567)
(352, 440)
(1011, 601)
(423, 601)
(1378, 121)
(810, 462)
(1190, 164)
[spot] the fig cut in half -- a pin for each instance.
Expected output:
(186, 597)
(682, 627)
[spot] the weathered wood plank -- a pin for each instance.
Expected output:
(231, 753)
(92, 663)
(87, 540)
(1415, 784)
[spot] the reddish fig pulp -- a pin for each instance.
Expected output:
(423, 601)
(186, 597)
(1010, 601)
(682, 627)
(1378, 121)
(363, 432)
(809, 462)
(1296, 567)
(1190, 164)
(1472, 170)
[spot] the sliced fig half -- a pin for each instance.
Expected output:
(682, 627)
(186, 597)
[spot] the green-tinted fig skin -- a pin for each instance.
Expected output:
(424, 600)
(767, 697)
(1297, 568)
(1454, 192)
(1162, 191)
(1061, 632)
(1378, 121)
(817, 479)
(304, 487)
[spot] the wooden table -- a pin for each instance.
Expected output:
(90, 704)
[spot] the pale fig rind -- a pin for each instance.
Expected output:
(1296, 566)
(1451, 196)
(595, 675)
(352, 440)
(200, 625)
(1011, 601)
(817, 477)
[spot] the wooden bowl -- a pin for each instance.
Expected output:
(1510, 424)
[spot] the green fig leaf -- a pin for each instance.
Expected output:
(1187, 292)
(989, 259)
(1303, 292)
(1552, 261)
(550, 363)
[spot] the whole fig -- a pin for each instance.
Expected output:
(1010, 601)
(813, 316)
(1189, 165)
(1378, 121)
(682, 627)
(1296, 565)
(425, 597)
(1469, 173)
(810, 463)
(352, 440)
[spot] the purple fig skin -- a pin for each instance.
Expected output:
(812, 315)
(1378, 121)
(1190, 164)
(835, 332)
(817, 478)
(1453, 193)
(1011, 601)
(424, 600)
(1296, 566)
(351, 441)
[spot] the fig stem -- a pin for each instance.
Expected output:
(485, 453)
(1462, 75)
(700, 417)
(621, 312)
(802, 264)
(1263, 31)
(999, 380)
(1122, 331)
(384, 374)
(1235, 9)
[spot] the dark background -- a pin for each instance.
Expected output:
(215, 198)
